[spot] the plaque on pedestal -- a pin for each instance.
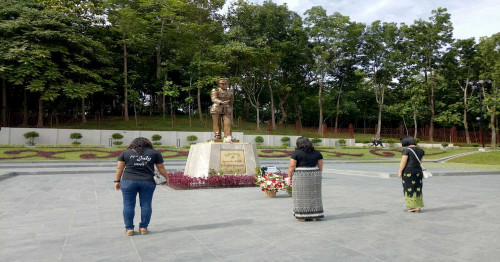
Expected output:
(231, 158)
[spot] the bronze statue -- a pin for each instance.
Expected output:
(222, 108)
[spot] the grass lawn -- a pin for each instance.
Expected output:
(96, 154)
(484, 158)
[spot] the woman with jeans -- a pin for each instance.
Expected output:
(134, 175)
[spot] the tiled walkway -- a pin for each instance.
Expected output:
(77, 217)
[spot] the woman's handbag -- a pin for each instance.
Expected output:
(425, 173)
(159, 179)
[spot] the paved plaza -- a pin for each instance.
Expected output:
(76, 216)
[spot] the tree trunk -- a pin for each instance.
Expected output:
(84, 117)
(135, 115)
(493, 129)
(284, 115)
(257, 108)
(25, 109)
(164, 105)
(4, 102)
(273, 121)
(40, 112)
(379, 121)
(245, 110)
(415, 122)
(189, 104)
(297, 111)
(338, 105)
(125, 73)
(198, 97)
(320, 103)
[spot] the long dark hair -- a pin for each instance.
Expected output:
(304, 144)
(407, 141)
(139, 144)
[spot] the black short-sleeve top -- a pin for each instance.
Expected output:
(412, 160)
(140, 166)
(306, 159)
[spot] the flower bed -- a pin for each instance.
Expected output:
(178, 180)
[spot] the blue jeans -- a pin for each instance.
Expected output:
(130, 188)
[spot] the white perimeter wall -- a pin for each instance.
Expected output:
(10, 135)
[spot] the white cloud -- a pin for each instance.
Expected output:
(470, 19)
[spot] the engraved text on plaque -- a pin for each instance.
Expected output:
(233, 161)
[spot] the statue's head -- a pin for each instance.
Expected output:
(223, 83)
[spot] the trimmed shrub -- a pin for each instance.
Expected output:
(75, 136)
(156, 138)
(316, 140)
(117, 136)
(342, 142)
(117, 143)
(364, 141)
(417, 140)
(285, 139)
(31, 137)
(390, 141)
(192, 138)
(259, 140)
(444, 144)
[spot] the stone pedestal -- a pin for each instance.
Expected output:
(240, 158)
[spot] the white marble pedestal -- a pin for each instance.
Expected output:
(214, 155)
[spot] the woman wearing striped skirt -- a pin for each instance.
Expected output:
(304, 170)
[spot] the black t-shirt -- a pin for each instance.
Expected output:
(306, 159)
(140, 167)
(412, 161)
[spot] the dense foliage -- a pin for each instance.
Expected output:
(96, 58)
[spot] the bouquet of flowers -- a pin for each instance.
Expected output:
(271, 182)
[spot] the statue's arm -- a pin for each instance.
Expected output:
(213, 96)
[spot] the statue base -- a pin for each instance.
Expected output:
(231, 158)
(220, 140)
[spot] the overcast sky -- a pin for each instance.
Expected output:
(470, 18)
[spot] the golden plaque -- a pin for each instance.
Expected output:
(233, 162)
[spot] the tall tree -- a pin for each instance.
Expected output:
(379, 54)
(431, 37)
(489, 56)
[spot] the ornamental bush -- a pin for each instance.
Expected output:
(75, 136)
(117, 136)
(117, 143)
(31, 137)
(342, 142)
(285, 139)
(192, 138)
(390, 141)
(156, 138)
(363, 141)
(316, 140)
(444, 144)
(259, 140)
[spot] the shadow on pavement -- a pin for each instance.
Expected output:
(353, 215)
(233, 223)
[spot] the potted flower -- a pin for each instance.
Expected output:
(75, 136)
(270, 184)
(156, 139)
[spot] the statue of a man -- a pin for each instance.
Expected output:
(222, 108)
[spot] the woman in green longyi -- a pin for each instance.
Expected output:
(410, 171)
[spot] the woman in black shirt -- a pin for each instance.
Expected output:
(134, 175)
(410, 171)
(306, 165)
